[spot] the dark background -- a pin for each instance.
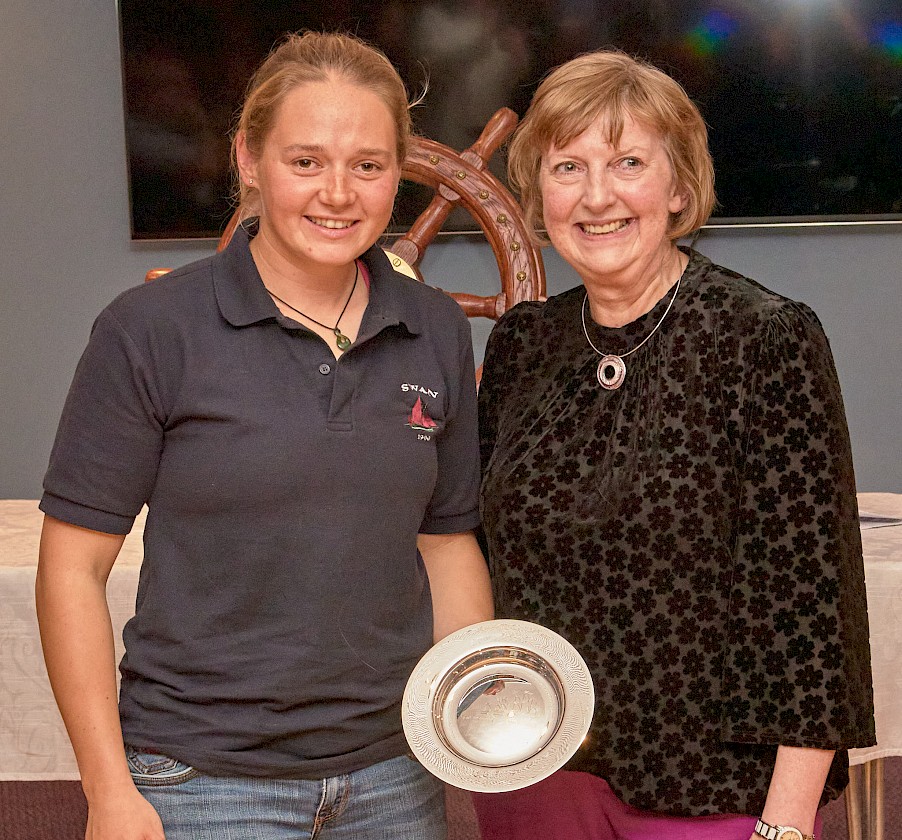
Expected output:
(803, 99)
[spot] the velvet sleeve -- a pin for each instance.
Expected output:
(510, 368)
(797, 662)
(489, 391)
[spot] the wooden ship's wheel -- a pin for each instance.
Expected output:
(460, 179)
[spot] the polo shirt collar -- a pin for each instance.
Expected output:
(243, 300)
(390, 300)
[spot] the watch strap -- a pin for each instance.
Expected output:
(773, 832)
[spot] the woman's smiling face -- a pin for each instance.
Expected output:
(607, 208)
(327, 175)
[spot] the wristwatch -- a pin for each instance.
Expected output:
(780, 832)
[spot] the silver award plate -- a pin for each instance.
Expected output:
(498, 705)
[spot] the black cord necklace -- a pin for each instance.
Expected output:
(341, 340)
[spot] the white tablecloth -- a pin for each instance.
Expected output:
(33, 742)
(883, 579)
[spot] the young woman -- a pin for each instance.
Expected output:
(300, 421)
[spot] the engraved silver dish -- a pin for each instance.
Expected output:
(498, 705)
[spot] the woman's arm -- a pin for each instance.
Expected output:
(798, 664)
(459, 580)
(77, 638)
(796, 786)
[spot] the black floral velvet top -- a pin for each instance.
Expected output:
(694, 534)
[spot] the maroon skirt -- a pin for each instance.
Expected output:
(579, 806)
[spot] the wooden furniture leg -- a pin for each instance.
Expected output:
(853, 803)
(875, 800)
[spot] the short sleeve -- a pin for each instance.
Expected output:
(453, 507)
(105, 457)
(797, 663)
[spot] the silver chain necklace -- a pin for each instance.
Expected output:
(611, 369)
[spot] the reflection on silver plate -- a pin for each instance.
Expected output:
(498, 705)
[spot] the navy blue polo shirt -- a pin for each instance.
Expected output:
(282, 602)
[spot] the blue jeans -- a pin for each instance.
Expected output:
(395, 799)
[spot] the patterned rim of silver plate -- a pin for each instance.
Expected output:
(498, 705)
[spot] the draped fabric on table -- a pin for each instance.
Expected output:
(33, 742)
(883, 579)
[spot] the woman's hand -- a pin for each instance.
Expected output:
(125, 815)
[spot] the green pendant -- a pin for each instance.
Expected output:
(341, 340)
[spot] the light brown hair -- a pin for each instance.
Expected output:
(304, 57)
(614, 86)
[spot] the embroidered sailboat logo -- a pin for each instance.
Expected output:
(419, 419)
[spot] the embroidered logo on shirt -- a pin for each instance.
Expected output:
(420, 420)
(419, 389)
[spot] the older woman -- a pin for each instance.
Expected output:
(309, 532)
(668, 484)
